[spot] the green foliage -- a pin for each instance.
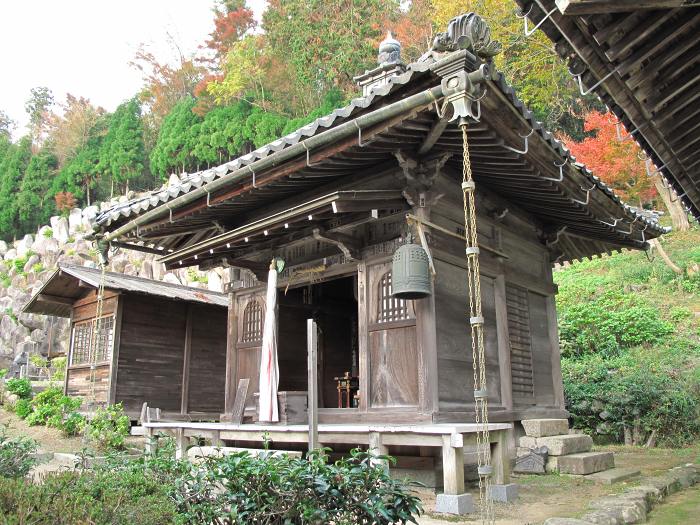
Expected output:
(176, 140)
(73, 424)
(122, 150)
(48, 233)
(3, 372)
(58, 368)
(50, 407)
(609, 323)
(11, 172)
(108, 428)
(23, 407)
(16, 458)
(21, 387)
(641, 390)
(282, 489)
(34, 203)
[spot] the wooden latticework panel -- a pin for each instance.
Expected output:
(252, 322)
(84, 338)
(520, 343)
(390, 308)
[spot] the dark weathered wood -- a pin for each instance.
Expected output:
(231, 356)
(186, 357)
(239, 404)
(312, 367)
(596, 7)
(114, 364)
(54, 299)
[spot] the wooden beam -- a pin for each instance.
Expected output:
(312, 387)
(503, 338)
(595, 7)
(55, 299)
(347, 244)
(433, 136)
(452, 467)
(185, 399)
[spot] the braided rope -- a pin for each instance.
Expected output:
(95, 339)
(476, 323)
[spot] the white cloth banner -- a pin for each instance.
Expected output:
(269, 368)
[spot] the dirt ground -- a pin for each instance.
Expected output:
(540, 497)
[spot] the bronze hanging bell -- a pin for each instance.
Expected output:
(410, 272)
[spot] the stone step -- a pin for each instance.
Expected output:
(614, 475)
(559, 445)
(585, 463)
(545, 427)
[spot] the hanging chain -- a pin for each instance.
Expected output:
(476, 322)
(96, 337)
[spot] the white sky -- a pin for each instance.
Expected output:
(83, 47)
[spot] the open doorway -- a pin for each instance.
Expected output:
(333, 304)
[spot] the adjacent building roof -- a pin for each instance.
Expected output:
(537, 173)
(68, 283)
(643, 60)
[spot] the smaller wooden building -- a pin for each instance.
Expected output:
(156, 342)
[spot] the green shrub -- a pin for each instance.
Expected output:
(23, 408)
(22, 388)
(19, 263)
(3, 372)
(640, 391)
(50, 407)
(16, 458)
(608, 324)
(241, 488)
(48, 233)
(58, 368)
(73, 424)
(108, 428)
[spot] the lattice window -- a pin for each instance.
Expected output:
(88, 346)
(390, 308)
(520, 341)
(252, 322)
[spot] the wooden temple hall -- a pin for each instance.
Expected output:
(332, 202)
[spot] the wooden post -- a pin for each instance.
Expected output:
(452, 466)
(184, 401)
(376, 447)
(231, 356)
(504, 364)
(181, 442)
(312, 366)
(557, 381)
(114, 362)
(500, 461)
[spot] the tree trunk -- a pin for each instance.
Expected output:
(679, 217)
(662, 253)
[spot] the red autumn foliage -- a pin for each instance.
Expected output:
(229, 26)
(613, 155)
(65, 201)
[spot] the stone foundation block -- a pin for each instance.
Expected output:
(603, 517)
(566, 521)
(585, 463)
(614, 475)
(559, 445)
(503, 493)
(454, 504)
(545, 427)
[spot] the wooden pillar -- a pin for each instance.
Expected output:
(503, 343)
(150, 445)
(216, 439)
(376, 447)
(557, 381)
(181, 442)
(114, 361)
(363, 282)
(453, 464)
(312, 387)
(231, 356)
(500, 462)
(185, 397)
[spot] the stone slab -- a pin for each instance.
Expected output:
(614, 475)
(503, 493)
(566, 521)
(585, 463)
(454, 504)
(545, 427)
(559, 445)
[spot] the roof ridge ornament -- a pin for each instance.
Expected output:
(467, 31)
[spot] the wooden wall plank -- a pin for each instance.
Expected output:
(207, 378)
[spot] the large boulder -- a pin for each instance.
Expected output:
(214, 281)
(24, 245)
(171, 278)
(29, 265)
(75, 220)
(3, 248)
(10, 254)
(59, 226)
(44, 245)
(146, 270)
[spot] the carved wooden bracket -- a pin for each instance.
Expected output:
(347, 244)
(420, 173)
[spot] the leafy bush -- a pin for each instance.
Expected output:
(241, 488)
(23, 408)
(22, 388)
(637, 393)
(3, 372)
(51, 406)
(58, 368)
(108, 427)
(73, 424)
(48, 233)
(608, 324)
(16, 458)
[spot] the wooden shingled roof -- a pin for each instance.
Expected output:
(642, 58)
(68, 283)
(582, 215)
